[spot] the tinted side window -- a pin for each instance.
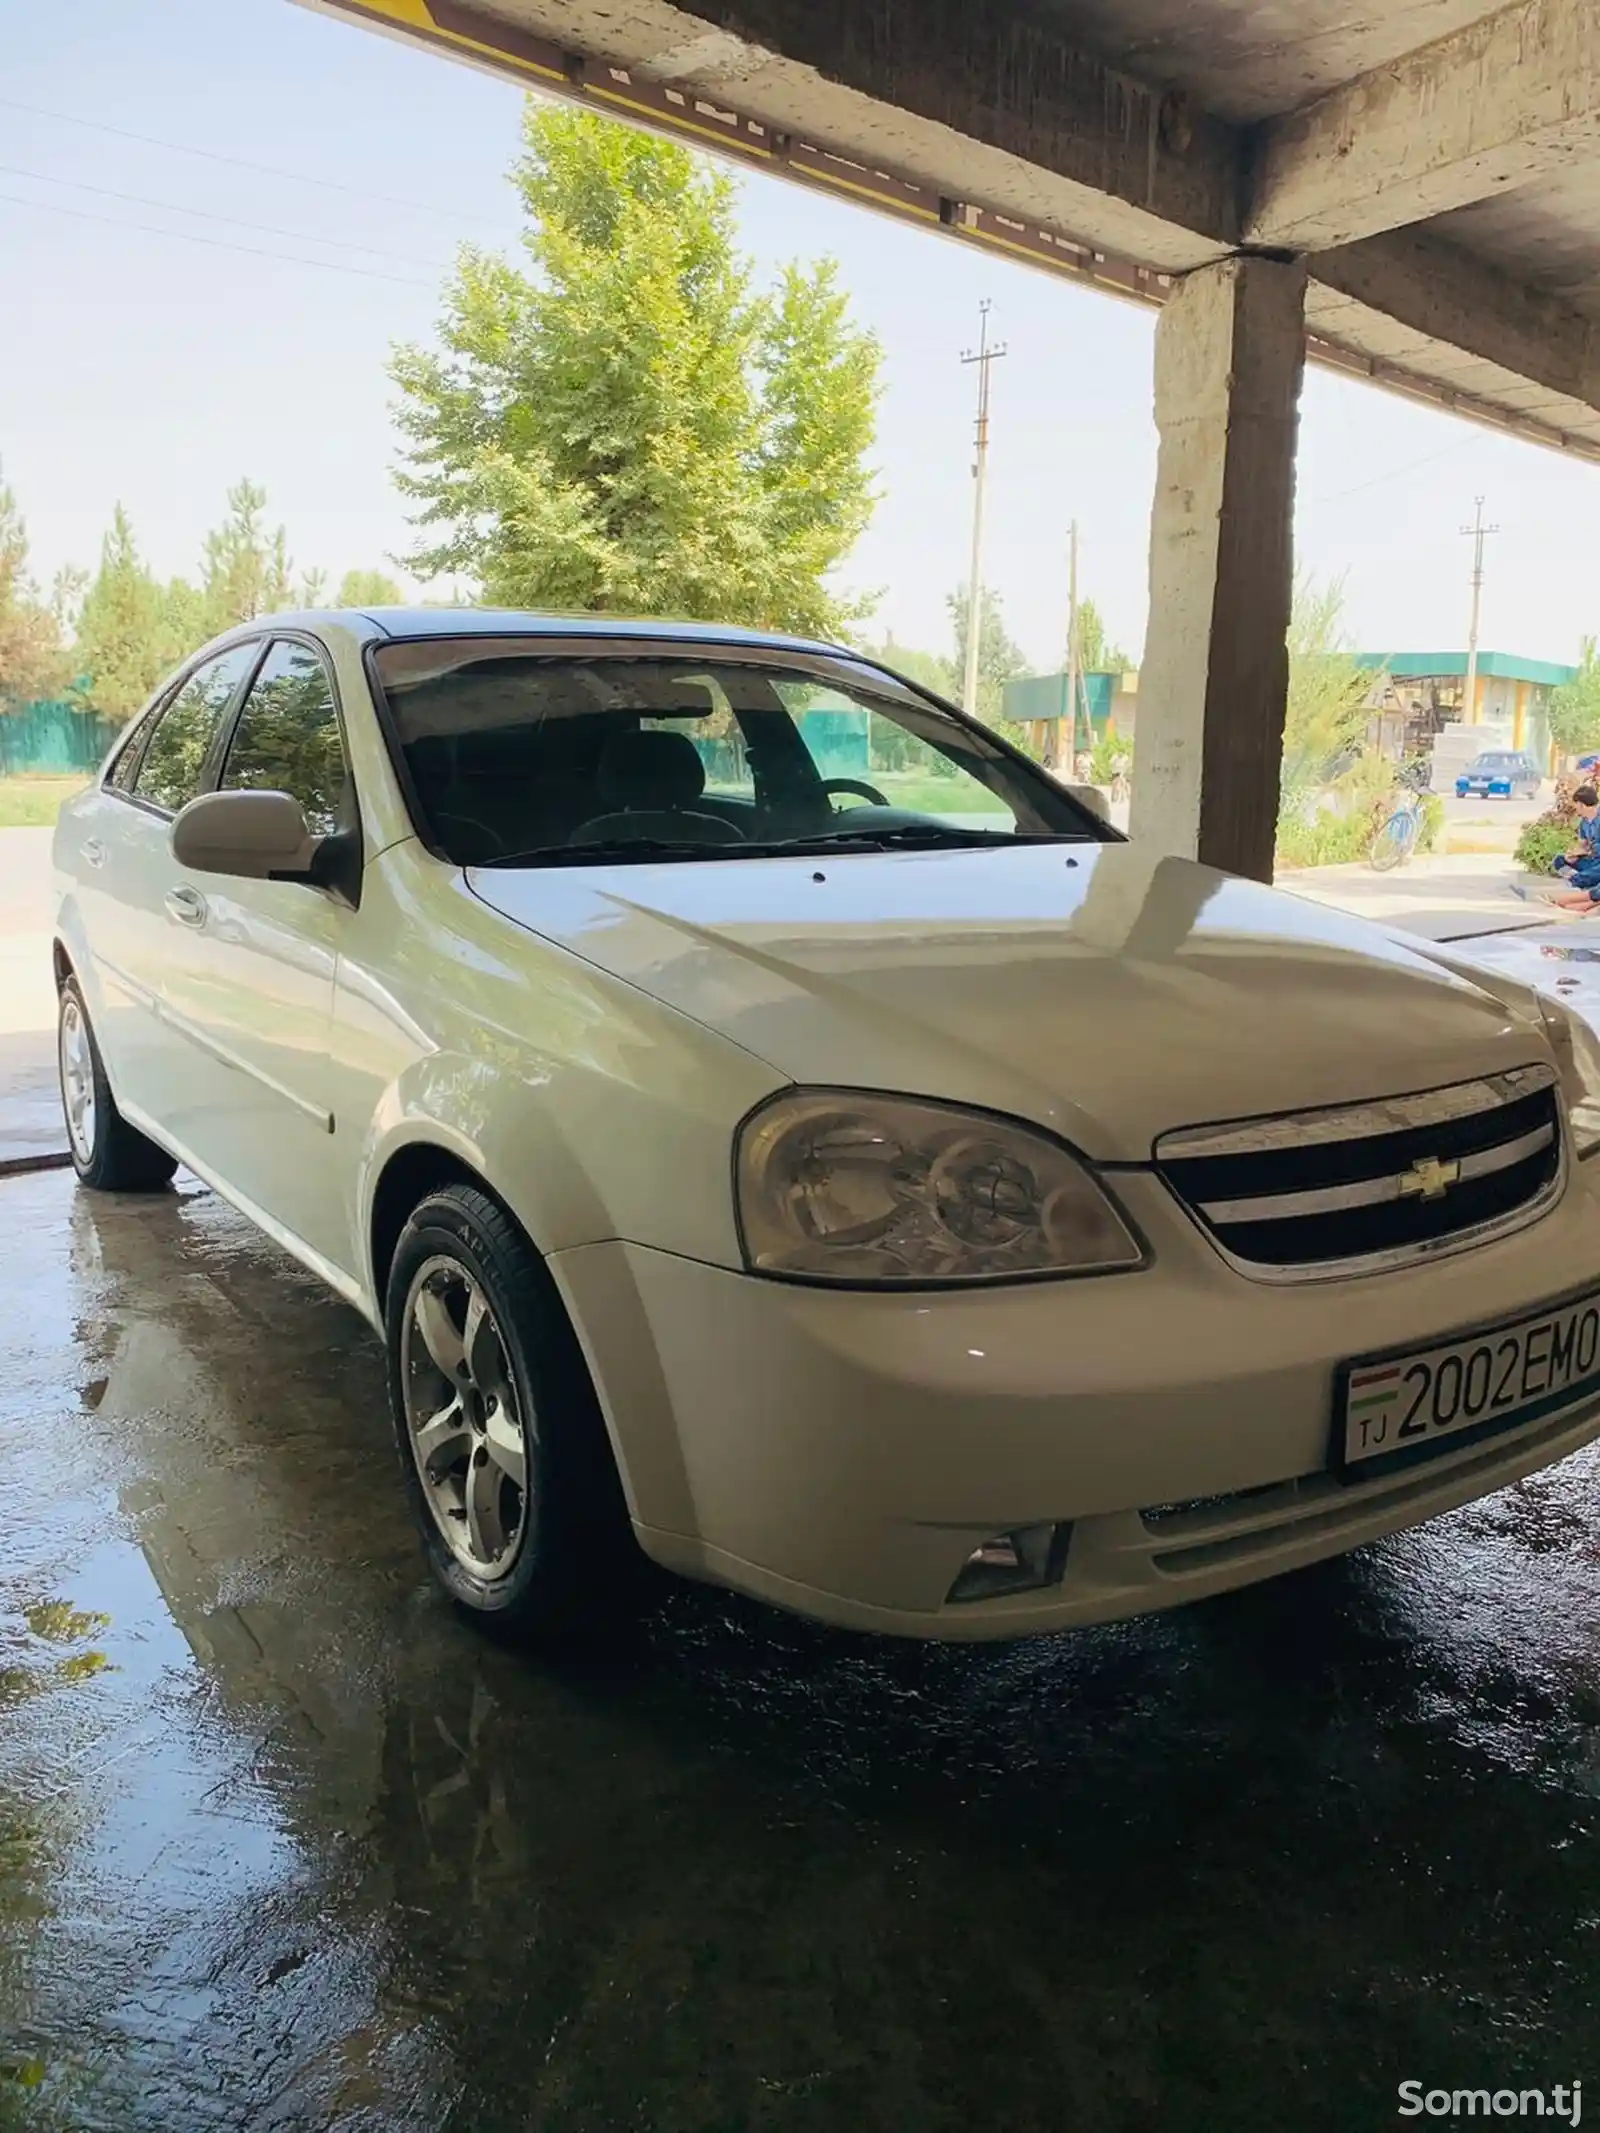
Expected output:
(287, 737)
(175, 755)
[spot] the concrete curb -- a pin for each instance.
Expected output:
(18, 1166)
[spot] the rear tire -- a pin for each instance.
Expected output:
(108, 1154)
(504, 1451)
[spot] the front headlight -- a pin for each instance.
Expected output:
(1577, 1051)
(864, 1189)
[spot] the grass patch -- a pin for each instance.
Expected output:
(929, 794)
(34, 803)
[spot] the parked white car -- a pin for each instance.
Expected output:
(758, 1107)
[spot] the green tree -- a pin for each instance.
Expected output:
(368, 588)
(67, 590)
(1097, 654)
(189, 621)
(127, 635)
(932, 669)
(30, 638)
(246, 569)
(1000, 658)
(1327, 711)
(1575, 706)
(632, 426)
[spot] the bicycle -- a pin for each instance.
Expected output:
(1396, 838)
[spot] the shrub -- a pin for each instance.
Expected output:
(1542, 843)
(1367, 793)
(1111, 754)
(1323, 840)
(1548, 835)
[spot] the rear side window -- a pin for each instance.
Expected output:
(287, 737)
(121, 775)
(175, 755)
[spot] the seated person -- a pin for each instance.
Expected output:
(1581, 865)
(1584, 854)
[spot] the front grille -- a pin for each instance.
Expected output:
(1331, 1192)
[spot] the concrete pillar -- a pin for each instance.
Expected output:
(1230, 353)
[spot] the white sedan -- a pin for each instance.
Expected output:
(767, 1117)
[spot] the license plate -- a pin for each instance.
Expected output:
(1396, 1408)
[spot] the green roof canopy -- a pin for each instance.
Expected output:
(1452, 666)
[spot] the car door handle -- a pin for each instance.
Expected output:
(94, 853)
(187, 906)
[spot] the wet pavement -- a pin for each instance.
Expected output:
(286, 1844)
(30, 1109)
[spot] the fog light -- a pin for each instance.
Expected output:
(1022, 1560)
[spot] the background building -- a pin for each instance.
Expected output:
(1419, 693)
(1036, 700)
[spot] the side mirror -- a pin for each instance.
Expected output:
(1089, 796)
(259, 835)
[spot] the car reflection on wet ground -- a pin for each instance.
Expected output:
(285, 1844)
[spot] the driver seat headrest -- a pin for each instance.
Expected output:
(651, 768)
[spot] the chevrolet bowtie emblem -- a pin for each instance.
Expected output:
(1430, 1179)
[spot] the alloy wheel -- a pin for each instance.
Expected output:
(465, 1422)
(77, 1078)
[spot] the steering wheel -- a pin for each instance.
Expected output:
(859, 786)
(477, 831)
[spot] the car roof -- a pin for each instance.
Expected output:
(402, 622)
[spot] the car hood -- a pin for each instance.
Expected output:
(1561, 959)
(1108, 994)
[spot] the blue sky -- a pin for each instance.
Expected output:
(146, 368)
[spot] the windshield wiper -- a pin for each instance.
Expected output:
(610, 850)
(909, 837)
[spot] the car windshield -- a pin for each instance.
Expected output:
(1491, 763)
(524, 751)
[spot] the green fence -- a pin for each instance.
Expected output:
(837, 738)
(53, 740)
(1048, 696)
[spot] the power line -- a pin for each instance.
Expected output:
(173, 207)
(1394, 473)
(269, 170)
(215, 244)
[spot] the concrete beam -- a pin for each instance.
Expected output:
(1489, 108)
(1230, 355)
(977, 72)
(700, 72)
(958, 95)
(1439, 291)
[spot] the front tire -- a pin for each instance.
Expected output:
(1392, 845)
(108, 1154)
(505, 1455)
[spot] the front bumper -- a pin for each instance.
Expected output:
(842, 1453)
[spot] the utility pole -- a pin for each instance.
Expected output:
(983, 355)
(1478, 533)
(1074, 650)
